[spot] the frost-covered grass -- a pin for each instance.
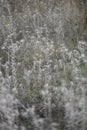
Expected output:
(43, 67)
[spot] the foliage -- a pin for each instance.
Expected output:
(43, 65)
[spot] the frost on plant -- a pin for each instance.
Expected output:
(43, 65)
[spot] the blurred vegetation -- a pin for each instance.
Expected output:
(32, 25)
